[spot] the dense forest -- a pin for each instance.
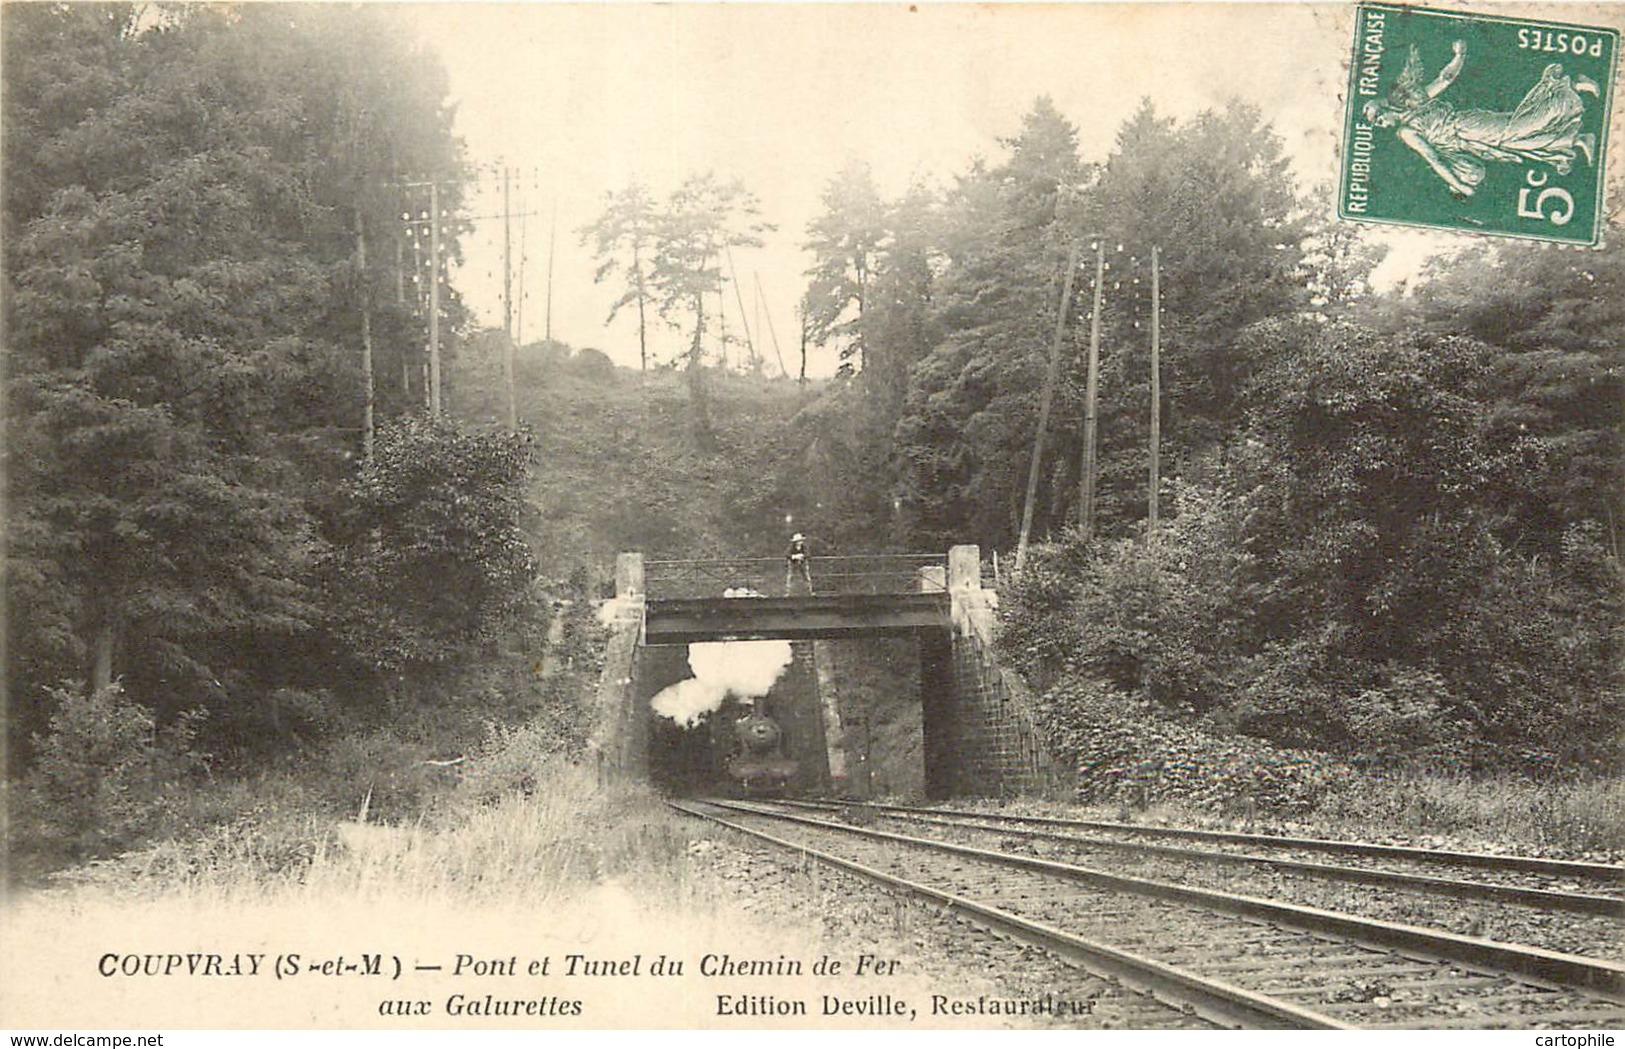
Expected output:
(1388, 522)
(1389, 527)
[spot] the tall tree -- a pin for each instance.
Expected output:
(898, 324)
(965, 433)
(844, 241)
(1378, 572)
(184, 330)
(1216, 197)
(623, 239)
(1559, 419)
(703, 218)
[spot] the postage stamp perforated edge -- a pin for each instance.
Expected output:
(1354, 100)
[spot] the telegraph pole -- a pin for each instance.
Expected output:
(420, 299)
(1050, 380)
(1156, 399)
(400, 300)
(400, 272)
(519, 309)
(802, 313)
(1091, 393)
(552, 237)
(507, 302)
(761, 298)
(366, 330)
(434, 298)
(433, 218)
(739, 297)
(507, 258)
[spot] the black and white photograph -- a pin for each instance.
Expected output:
(751, 518)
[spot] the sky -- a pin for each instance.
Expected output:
(582, 99)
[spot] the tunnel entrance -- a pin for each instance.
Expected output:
(876, 685)
(697, 699)
(931, 658)
(849, 711)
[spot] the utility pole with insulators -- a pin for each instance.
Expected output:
(366, 329)
(507, 302)
(434, 298)
(430, 302)
(739, 297)
(1156, 399)
(1091, 395)
(1051, 378)
(507, 257)
(552, 235)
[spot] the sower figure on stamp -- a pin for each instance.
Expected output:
(796, 565)
(1545, 128)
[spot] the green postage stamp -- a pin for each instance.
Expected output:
(1477, 123)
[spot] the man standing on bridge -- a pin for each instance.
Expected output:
(796, 564)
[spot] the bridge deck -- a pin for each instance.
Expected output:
(681, 621)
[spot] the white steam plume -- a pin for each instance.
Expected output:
(746, 669)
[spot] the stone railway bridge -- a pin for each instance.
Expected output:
(976, 717)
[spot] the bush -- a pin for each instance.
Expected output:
(594, 365)
(1127, 751)
(429, 566)
(1448, 651)
(104, 773)
(392, 772)
(512, 761)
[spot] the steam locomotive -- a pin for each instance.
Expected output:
(757, 764)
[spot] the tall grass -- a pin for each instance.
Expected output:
(571, 866)
(1582, 816)
(566, 833)
(1577, 818)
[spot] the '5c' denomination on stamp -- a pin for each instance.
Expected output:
(1477, 123)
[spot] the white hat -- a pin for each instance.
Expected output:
(797, 537)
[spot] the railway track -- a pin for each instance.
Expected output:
(1527, 881)
(1561, 876)
(1235, 960)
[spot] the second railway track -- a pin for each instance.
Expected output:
(1534, 871)
(1238, 960)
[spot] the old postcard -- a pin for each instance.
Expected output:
(772, 517)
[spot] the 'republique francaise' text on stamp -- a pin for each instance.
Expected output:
(1477, 123)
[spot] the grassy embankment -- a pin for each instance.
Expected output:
(569, 866)
(1585, 817)
(526, 845)
(523, 848)
(566, 867)
(619, 466)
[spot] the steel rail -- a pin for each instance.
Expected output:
(1215, 1000)
(1550, 899)
(1525, 864)
(1556, 968)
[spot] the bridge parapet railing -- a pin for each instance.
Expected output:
(771, 577)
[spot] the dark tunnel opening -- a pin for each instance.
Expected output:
(850, 715)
